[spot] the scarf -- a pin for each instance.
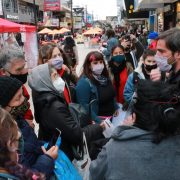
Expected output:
(116, 70)
(101, 79)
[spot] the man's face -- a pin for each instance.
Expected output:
(162, 50)
(17, 67)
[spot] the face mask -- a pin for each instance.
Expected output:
(20, 77)
(150, 67)
(57, 62)
(162, 63)
(119, 58)
(20, 110)
(97, 68)
(59, 84)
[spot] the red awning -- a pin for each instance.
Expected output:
(8, 26)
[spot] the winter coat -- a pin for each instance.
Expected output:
(131, 155)
(33, 156)
(51, 112)
(130, 83)
(86, 91)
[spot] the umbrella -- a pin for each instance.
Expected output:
(45, 31)
(98, 29)
(55, 31)
(63, 30)
(91, 31)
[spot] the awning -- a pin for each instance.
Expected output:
(151, 4)
(8, 26)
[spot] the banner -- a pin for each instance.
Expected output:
(51, 5)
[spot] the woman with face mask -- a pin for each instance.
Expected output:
(52, 111)
(9, 147)
(32, 154)
(143, 71)
(120, 69)
(95, 84)
(55, 56)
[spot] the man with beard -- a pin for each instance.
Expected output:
(133, 49)
(147, 70)
(12, 63)
(168, 54)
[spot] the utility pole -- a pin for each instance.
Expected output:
(72, 18)
(35, 13)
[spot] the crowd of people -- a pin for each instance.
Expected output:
(130, 74)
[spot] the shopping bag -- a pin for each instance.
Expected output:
(64, 169)
(82, 165)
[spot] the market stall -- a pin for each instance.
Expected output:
(8, 30)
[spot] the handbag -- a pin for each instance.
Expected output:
(82, 165)
(81, 115)
(64, 169)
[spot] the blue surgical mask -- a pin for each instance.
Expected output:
(57, 62)
(119, 58)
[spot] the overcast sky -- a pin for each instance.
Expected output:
(100, 8)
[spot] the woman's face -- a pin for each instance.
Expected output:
(118, 51)
(94, 63)
(56, 52)
(17, 100)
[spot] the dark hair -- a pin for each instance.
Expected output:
(110, 33)
(114, 47)
(158, 109)
(148, 52)
(87, 64)
(171, 38)
(9, 131)
(69, 41)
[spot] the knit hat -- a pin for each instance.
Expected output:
(8, 88)
(153, 35)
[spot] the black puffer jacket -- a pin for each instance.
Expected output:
(51, 111)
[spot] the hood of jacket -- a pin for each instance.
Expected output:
(39, 80)
(123, 133)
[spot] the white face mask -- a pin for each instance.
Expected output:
(162, 63)
(59, 84)
(57, 62)
(97, 68)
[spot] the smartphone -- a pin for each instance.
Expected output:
(54, 139)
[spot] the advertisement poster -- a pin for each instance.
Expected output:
(52, 5)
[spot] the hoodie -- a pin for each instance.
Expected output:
(40, 81)
(131, 155)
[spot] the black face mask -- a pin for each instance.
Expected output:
(20, 77)
(150, 67)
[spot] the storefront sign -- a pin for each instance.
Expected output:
(51, 5)
(10, 16)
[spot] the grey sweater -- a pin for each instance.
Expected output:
(131, 155)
